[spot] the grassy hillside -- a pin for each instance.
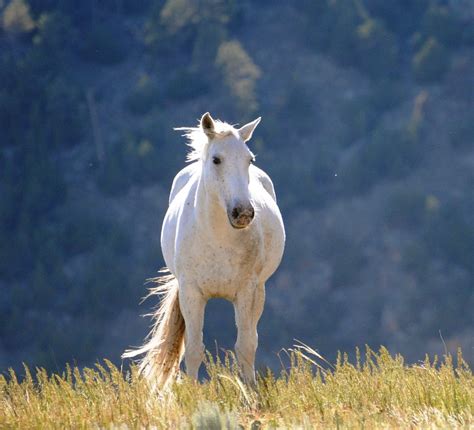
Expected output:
(378, 391)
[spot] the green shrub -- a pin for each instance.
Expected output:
(145, 160)
(105, 285)
(431, 61)
(208, 416)
(415, 258)
(175, 15)
(36, 105)
(9, 204)
(32, 187)
(345, 256)
(116, 238)
(41, 289)
(47, 247)
(143, 97)
(55, 36)
(323, 166)
(369, 34)
(240, 74)
(451, 236)
(186, 84)
(133, 160)
(170, 26)
(298, 107)
(20, 94)
(385, 94)
(359, 118)
(387, 154)
(82, 232)
(377, 49)
(361, 114)
(391, 153)
(16, 256)
(468, 35)
(462, 137)
(339, 25)
(113, 178)
(209, 36)
(405, 209)
(16, 18)
(133, 7)
(103, 44)
(403, 17)
(43, 188)
(197, 28)
(442, 25)
(67, 340)
(65, 111)
(350, 35)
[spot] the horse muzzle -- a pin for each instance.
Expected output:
(241, 216)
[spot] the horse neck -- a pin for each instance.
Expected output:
(211, 216)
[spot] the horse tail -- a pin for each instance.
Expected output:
(164, 346)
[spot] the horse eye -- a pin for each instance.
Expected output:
(252, 160)
(216, 160)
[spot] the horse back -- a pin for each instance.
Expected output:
(264, 180)
(181, 179)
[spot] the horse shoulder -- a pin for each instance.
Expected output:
(181, 179)
(264, 180)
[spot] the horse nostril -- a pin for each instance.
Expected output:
(252, 212)
(235, 213)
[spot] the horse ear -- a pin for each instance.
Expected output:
(207, 125)
(246, 131)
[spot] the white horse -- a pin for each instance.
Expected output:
(222, 236)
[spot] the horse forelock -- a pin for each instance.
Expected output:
(198, 141)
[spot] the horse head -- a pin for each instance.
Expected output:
(226, 164)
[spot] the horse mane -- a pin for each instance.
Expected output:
(198, 141)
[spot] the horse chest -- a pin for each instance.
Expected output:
(220, 268)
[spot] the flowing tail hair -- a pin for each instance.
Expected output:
(164, 345)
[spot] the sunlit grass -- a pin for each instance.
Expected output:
(377, 391)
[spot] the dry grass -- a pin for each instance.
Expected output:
(379, 391)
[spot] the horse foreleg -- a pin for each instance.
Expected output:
(248, 309)
(192, 307)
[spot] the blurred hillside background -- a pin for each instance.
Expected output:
(367, 133)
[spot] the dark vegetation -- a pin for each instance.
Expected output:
(90, 90)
